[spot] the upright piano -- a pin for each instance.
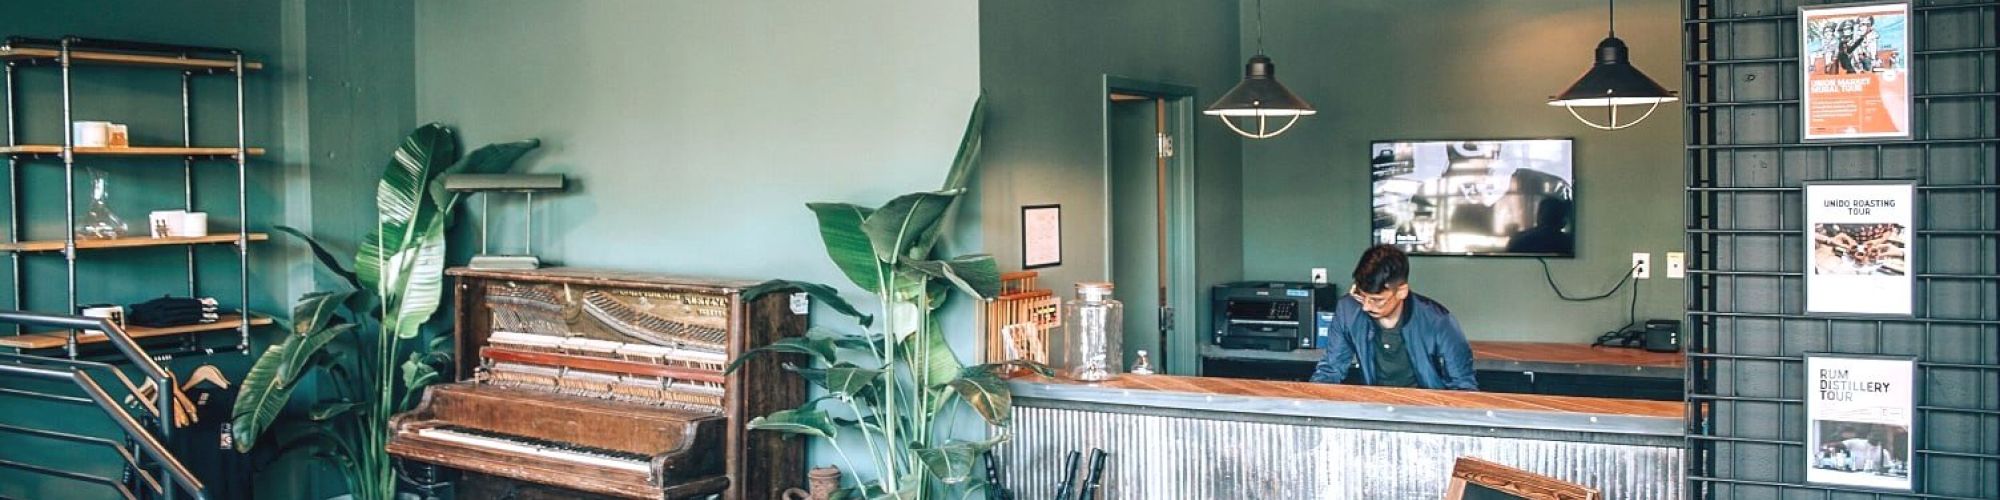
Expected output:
(577, 383)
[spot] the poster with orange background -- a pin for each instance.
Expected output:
(1855, 62)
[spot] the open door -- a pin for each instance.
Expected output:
(1149, 213)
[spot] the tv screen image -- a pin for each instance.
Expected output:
(1504, 197)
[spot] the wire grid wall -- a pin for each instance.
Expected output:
(1746, 320)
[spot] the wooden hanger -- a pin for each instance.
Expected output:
(207, 373)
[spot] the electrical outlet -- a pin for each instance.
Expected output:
(1642, 265)
(1319, 275)
(1676, 265)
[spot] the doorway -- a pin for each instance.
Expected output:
(1149, 210)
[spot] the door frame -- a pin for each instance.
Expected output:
(1182, 293)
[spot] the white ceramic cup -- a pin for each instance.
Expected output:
(91, 134)
(167, 223)
(193, 225)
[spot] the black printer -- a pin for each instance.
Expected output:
(1271, 315)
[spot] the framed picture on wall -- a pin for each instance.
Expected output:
(1855, 71)
(1859, 415)
(1041, 236)
(1860, 247)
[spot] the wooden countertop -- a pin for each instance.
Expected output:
(1397, 396)
(1659, 423)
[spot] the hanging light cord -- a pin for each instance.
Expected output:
(1611, 12)
(1260, 27)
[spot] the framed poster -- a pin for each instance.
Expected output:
(1041, 236)
(1859, 247)
(1859, 411)
(1855, 71)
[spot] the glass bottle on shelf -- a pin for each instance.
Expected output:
(1094, 329)
(98, 223)
(1144, 365)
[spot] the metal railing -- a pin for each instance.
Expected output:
(148, 445)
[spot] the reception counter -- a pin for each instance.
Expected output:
(1194, 437)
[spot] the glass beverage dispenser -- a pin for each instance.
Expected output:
(1094, 331)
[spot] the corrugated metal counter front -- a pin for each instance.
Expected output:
(1188, 437)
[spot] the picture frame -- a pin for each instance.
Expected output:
(1860, 248)
(1041, 236)
(1860, 421)
(1854, 71)
(1476, 479)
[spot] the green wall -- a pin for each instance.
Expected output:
(1042, 64)
(149, 101)
(1385, 69)
(694, 132)
(336, 93)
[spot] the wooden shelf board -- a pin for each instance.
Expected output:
(134, 242)
(56, 149)
(126, 59)
(58, 339)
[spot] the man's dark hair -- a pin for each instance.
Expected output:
(1381, 267)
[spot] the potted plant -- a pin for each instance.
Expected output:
(894, 383)
(365, 343)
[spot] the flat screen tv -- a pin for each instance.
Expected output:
(1475, 197)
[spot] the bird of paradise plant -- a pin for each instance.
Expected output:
(352, 339)
(894, 384)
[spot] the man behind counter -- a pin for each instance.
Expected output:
(1399, 338)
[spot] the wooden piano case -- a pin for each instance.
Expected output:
(758, 465)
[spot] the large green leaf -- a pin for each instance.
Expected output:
(960, 175)
(329, 409)
(931, 360)
(976, 275)
(952, 463)
(326, 258)
(904, 221)
(400, 200)
(847, 244)
(820, 348)
(841, 378)
(809, 422)
(986, 394)
(969, 146)
(315, 309)
(822, 293)
(268, 385)
(423, 284)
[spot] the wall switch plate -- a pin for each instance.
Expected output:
(1319, 275)
(1642, 265)
(1676, 265)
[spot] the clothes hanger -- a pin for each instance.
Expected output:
(207, 373)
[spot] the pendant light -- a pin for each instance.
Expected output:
(1260, 95)
(1613, 82)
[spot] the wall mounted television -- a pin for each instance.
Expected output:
(1514, 197)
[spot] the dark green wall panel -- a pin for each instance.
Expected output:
(1384, 69)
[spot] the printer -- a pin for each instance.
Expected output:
(1271, 315)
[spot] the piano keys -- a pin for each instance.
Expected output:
(610, 384)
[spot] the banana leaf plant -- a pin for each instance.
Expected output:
(890, 382)
(364, 343)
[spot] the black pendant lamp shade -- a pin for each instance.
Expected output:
(1260, 96)
(1613, 81)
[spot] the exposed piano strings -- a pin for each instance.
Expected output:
(627, 320)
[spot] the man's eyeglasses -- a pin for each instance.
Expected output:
(1373, 300)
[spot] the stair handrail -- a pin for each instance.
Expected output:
(162, 379)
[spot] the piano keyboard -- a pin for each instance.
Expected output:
(542, 448)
